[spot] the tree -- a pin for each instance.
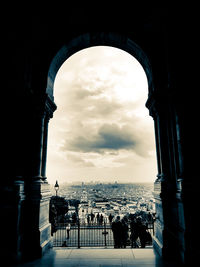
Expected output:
(57, 211)
(74, 203)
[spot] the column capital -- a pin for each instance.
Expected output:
(19, 190)
(158, 102)
(37, 179)
(161, 178)
(50, 107)
(44, 106)
(14, 191)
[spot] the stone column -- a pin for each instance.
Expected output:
(11, 206)
(37, 145)
(179, 193)
(20, 196)
(37, 237)
(50, 107)
(44, 149)
(157, 147)
(159, 223)
(165, 239)
(180, 154)
(37, 229)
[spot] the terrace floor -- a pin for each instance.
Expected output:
(99, 257)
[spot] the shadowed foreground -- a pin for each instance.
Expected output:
(100, 257)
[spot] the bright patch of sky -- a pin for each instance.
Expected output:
(101, 130)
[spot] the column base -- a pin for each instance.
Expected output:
(46, 241)
(11, 205)
(39, 246)
(37, 228)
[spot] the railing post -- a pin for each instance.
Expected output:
(78, 233)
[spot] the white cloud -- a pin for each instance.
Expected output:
(77, 160)
(101, 121)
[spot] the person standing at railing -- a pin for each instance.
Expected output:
(117, 232)
(68, 227)
(138, 229)
(110, 217)
(134, 232)
(92, 217)
(101, 219)
(142, 232)
(124, 232)
(88, 219)
(98, 217)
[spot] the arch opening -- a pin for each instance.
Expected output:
(102, 119)
(101, 139)
(98, 39)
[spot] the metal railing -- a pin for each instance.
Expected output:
(89, 235)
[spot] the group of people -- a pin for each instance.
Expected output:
(120, 228)
(99, 219)
(91, 219)
(137, 230)
(120, 232)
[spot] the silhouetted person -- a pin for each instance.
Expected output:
(134, 232)
(98, 218)
(142, 232)
(138, 229)
(117, 232)
(110, 217)
(92, 217)
(74, 218)
(88, 219)
(68, 230)
(124, 232)
(101, 219)
(149, 217)
(148, 238)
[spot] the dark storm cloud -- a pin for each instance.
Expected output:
(109, 137)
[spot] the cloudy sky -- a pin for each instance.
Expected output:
(101, 130)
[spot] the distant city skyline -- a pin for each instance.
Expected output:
(101, 130)
(95, 182)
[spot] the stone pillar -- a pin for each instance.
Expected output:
(36, 224)
(179, 153)
(44, 150)
(20, 196)
(166, 239)
(157, 148)
(37, 145)
(158, 224)
(37, 229)
(187, 189)
(163, 192)
(11, 206)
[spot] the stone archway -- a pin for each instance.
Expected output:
(35, 237)
(168, 241)
(97, 39)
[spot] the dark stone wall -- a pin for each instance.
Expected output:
(32, 38)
